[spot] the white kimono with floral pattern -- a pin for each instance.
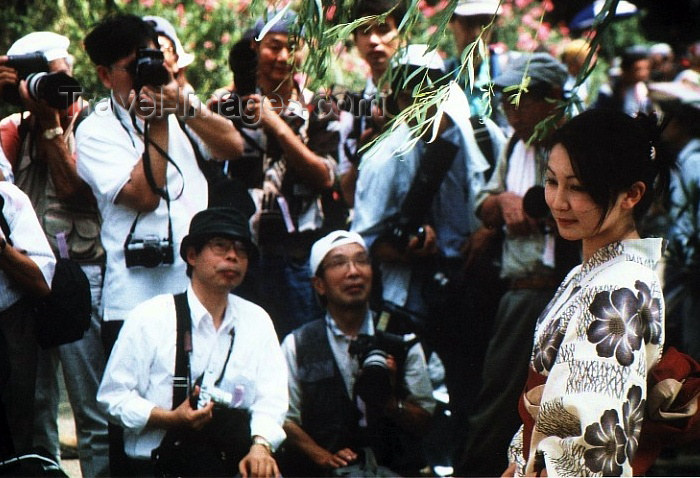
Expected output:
(595, 342)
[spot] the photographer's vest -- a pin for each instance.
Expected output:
(328, 415)
(78, 220)
(331, 418)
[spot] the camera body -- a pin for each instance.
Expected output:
(399, 231)
(150, 69)
(150, 251)
(58, 89)
(373, 384)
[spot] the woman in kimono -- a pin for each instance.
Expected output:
(603, 331)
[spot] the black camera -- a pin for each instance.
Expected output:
(58, 89)
(399, 231)
(150, 69)
(373, 384)
(148, 252)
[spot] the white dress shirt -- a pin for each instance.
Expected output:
(139, 374)
(26, 235)
(109, 148)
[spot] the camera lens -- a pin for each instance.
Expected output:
(58, 89)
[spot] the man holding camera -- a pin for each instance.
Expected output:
(344, 397)
(414, 205)
(141, 164)
(531, 264)
(221, 412)
(40, 143)
(294, 164)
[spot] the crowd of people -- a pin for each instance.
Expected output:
(280, 283)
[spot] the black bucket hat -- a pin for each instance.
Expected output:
(218, 221)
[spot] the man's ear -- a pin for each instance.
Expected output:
(633, 195)
(104, 76)
(191, 255)
(319, 285)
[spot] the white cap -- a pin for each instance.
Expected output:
(164, 27)
(467, 8)
(52, 45)
(418, 55)
(327, 243)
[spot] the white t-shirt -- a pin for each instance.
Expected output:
(26, 235)
(139, 373)
(108, 149)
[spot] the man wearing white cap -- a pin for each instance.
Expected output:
(334, 409)
(393, 208)
(40, 143)
(175, 55)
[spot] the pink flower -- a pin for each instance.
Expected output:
(330, 13)
(548, 5)
(208, 44)
(209, 64)
(210, 5)
(147, 3)
(225, 38)
(522, 3)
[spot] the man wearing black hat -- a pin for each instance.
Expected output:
(234, 354)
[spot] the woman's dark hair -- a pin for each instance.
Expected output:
(610, 151)
(117, 37)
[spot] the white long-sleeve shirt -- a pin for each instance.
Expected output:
(139, 374)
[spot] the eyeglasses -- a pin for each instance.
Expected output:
(338, 263)
(221, 247)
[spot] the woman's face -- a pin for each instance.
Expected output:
(576, 214)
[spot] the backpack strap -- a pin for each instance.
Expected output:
(183, 347)
(3, 222)
(483, 140)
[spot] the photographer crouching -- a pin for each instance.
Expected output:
(198, 379)
(359, 396)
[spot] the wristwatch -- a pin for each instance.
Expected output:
(258, 440)
(51, 133)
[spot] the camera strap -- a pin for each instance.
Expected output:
(130, 236)
(183, 350)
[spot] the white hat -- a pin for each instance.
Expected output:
(164, 27)
(52, 45)
(467, 8)
(327, 243)
(418, 55)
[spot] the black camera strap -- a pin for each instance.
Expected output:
(3, 222)
(183, 349)
(432, 169)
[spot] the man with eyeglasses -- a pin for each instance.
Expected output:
(137, 150)
(233, 350)
(337, 406)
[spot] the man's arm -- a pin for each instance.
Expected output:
(184, 416)
(323, 458)
(216, 132)
(61, 162)
(24, 271)
(137, 193)
(308, 165)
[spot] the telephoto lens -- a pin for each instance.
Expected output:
(58, 89)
